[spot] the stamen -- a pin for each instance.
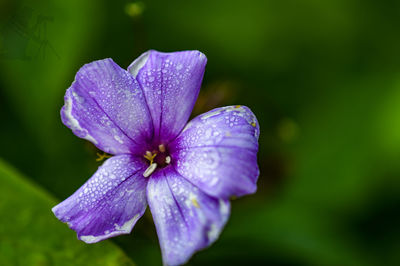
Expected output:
(168, 160)
(150, 156)
(161, 148)
(102, 156)
(150, 170)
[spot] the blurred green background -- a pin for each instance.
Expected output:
(323, 78)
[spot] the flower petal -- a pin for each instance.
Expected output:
(217, 151)
(106, 106)
(109, 203)
(171, 83)
(186, 219)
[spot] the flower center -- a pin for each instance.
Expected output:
(157, 158)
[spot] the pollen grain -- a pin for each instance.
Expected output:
(195, 203)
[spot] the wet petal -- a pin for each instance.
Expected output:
(186, 219)
(217, 151)
(109, 203)
(171, 83)
(106, 106)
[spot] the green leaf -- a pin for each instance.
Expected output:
(31, 235)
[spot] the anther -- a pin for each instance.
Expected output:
(150, 170)
(161, 148)
(168, 160)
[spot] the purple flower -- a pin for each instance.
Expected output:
(186, 172)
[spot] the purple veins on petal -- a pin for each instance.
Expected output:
(106, 106)
(171, 83)
(186, 219)
(217, 151)
(109, 203)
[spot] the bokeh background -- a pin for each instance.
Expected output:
(323, 78)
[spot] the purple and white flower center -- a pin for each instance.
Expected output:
(157, 159)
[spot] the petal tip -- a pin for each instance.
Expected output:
(138, 63)
(68, 118)
(126, 228)
(54, 210)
